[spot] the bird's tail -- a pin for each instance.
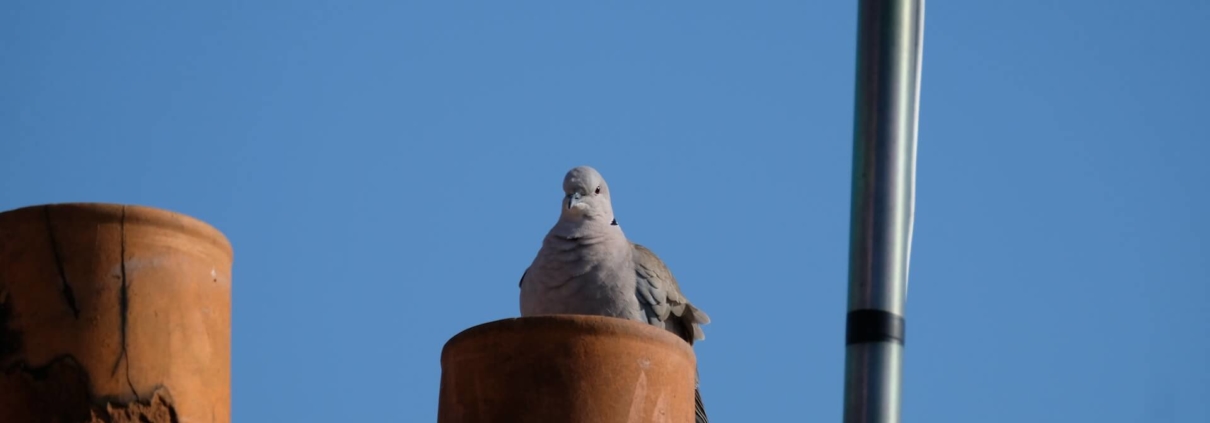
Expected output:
(699, 409)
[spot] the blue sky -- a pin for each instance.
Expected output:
(360, 154)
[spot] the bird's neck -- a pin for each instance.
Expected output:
(586, 228)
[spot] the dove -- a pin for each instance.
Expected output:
(586, 265)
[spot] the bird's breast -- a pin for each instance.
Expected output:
(585, 279)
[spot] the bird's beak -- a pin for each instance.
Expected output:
(574, 199)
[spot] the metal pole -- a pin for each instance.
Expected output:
(889, 44)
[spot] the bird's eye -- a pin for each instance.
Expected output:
(598, 190)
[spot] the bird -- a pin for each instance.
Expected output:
(587, 266)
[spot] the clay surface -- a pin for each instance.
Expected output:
(584, 369)
(112, 313)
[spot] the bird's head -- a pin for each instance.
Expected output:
(586, 196)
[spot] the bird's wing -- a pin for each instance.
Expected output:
(663, 301)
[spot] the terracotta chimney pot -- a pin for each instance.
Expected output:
(113, 313)
(573, 369)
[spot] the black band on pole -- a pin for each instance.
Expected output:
(866, 326)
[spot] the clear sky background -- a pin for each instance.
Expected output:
(386, 171)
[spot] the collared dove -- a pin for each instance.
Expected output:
(587, 266)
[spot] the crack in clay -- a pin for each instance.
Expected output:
(154, 410)
(10, 339)
(68, 294)
(59, 391)
(124, 307)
